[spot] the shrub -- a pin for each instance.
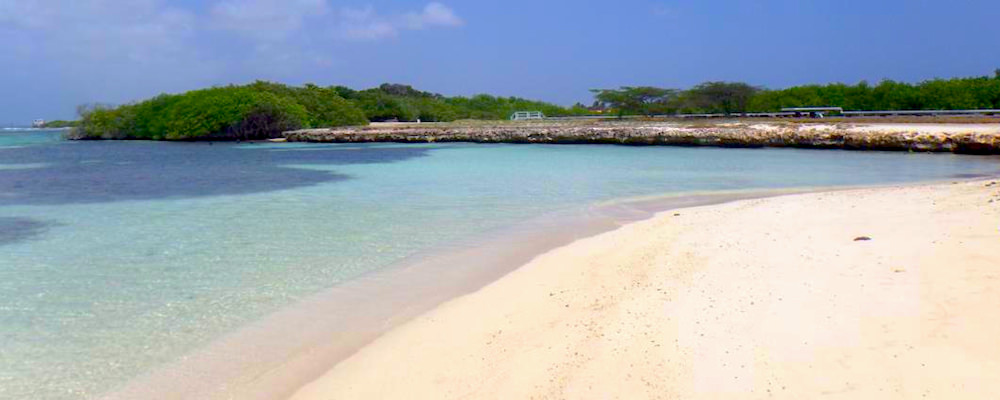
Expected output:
(257, 111)
(936, 94)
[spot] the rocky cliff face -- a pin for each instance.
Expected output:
(721, 135)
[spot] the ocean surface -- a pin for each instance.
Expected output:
(119, 257)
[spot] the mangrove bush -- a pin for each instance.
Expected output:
(257, 111)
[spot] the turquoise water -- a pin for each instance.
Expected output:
(117, 257)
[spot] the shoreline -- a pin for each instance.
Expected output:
(829, 167)
(510, 339)
(278, 354)
(948, 138)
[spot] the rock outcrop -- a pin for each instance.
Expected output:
(670, 134)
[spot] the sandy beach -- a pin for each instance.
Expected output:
(781, 297)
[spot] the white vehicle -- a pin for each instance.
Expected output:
(526, 115)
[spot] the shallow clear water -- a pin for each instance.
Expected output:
(116, 257)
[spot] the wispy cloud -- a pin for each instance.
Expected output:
(271, 21)
(433, 15)
(266, 20)
(142, 30)
(122, 50)
(366, 24)
(157, 29)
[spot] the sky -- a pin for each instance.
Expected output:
(57, 54)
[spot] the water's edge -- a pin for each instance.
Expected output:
(222, 289)
(276, 355)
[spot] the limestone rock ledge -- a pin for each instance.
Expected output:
(720, 135)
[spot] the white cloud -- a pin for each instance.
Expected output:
(267, 20)
(273, 21)
(141, 30)
(366, 24)
(434, 14)
(121, 50)
(110, 36)
(84, 51)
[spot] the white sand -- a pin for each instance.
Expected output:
(752, 299)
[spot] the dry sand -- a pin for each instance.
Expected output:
(752, 299)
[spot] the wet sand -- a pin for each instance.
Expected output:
(275, 356)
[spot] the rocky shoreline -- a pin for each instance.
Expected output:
(668, 134)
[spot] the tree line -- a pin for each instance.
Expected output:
(397, 102)
(265, 109)
(57, 124)
(259, 110)
(262, 110)
(737, 97)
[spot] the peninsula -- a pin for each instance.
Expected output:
(949, 137)
(266, 110)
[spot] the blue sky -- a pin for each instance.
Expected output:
(56, 54)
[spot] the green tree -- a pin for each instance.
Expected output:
(256, 111)
(641, 100)
(724, 97)
(956, 93)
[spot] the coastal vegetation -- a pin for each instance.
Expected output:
(642, 100)
(737, 97)
(708, 97)
(256, 111)
(58, 124)
(263, 110)
(937, 94)
(395, 102)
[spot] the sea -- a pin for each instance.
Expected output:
(126, 264)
